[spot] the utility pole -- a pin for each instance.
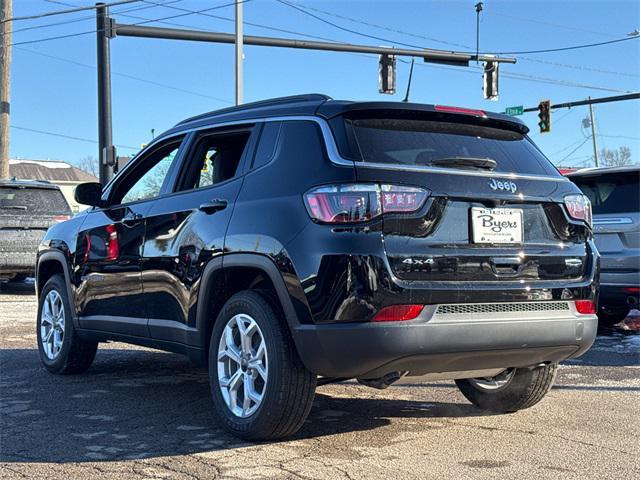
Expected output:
(239, 52)
(106, 151)
(593, 133)
(6, 12)
(478, 10)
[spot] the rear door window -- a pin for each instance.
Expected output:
(33, 200)
(619, 193)
(414, 142)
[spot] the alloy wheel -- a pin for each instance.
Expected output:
(52, 325)
(493, 383)
(242, 365)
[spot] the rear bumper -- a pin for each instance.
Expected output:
(371, 350)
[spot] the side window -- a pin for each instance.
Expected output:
(267, 143)
(215, 158)
(146, 181)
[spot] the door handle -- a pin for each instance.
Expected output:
(213, 206)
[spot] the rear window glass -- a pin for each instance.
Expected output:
(612, 193)
(420, 142)
(32, 200)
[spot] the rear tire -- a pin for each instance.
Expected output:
(252, 329)
(610, 319)
(61, 350)
(510, 391)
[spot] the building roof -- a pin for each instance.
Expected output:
(50, 170)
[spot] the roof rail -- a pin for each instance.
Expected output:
(309, 97)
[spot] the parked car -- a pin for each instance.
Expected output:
(300, 241)
(614, 193)
(27, 209)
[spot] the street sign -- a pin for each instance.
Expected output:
(519, 110)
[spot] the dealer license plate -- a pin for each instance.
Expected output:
(496, 225)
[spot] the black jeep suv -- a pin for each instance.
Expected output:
(298, 241)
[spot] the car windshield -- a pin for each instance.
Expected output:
(32, 200)
(612, 193)
(425, 142)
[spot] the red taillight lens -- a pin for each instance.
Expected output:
(113, 247)
(578, 207)
(631, 289)
(585, 307)
(353, 203)
(466, 111)
(398, 313)
(61, 218)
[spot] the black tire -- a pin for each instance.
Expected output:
(19, 278)
(610, 319)
(75, 355)
(525, 388)
(290, 389)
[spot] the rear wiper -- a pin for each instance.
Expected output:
(469, 162)
(14, 207)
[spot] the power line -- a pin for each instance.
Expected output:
(564, 49)
(445, 42)
(618, 136)
(139, 23)
(126, 75)
(69, 10)
(559, 49)
(355, 32)
(575, 149)
(68, 137)
(82, 19)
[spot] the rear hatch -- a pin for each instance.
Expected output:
(495, 207)
(615, 198)
(26, 212)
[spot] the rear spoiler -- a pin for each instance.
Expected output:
(331, 109)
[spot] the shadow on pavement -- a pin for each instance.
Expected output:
(139, 404)
(26, 287)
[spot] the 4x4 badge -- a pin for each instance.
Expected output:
(503, 185)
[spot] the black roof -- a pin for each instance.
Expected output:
(324, 106)
(16, 183)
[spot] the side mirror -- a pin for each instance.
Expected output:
(89, 194)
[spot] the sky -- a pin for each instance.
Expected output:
(157, 83)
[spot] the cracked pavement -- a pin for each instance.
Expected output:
(140, 413)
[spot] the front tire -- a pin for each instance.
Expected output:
(61, 350)
(260, 388)
(512, 390)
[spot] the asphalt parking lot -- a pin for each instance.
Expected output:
(140, 413)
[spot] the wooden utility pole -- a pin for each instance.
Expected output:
(593, 134)
(6, 13)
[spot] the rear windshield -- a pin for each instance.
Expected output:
(32, 200)
(420, 142)
(618, 193)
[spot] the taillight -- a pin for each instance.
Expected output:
(585, 307)
(353, 203)
(113, 247)
(466, 111)
(579, 208)
(61, 218)
(398, 313)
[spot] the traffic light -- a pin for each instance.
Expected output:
(490, 80)
(387, 74)
(544, 114)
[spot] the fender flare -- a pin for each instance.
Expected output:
(252, 260)
(58, 257)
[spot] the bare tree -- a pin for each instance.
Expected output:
(616, 158)
(88, 164)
